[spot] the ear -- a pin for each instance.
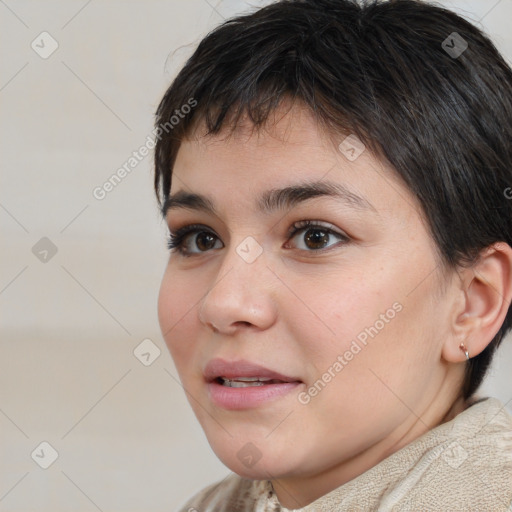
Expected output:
(484, 299)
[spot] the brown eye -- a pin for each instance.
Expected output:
(316, 238)
(313, 237)
(193, 240)
(205, 241)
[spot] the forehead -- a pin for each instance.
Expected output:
(290, 149)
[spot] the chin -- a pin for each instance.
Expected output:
(255, 460)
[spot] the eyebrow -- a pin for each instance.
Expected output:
(274, 199)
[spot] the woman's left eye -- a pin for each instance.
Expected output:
(315, 236)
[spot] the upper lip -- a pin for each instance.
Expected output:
(241, 368)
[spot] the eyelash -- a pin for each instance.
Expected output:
(175, 242)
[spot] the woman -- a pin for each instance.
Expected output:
(334, 176)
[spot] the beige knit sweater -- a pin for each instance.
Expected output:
(461, 465)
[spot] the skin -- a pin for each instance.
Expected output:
(296, 309)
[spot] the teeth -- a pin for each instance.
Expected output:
(245, 382)
(250, 379)
(238, 384)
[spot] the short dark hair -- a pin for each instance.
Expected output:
(382, 71)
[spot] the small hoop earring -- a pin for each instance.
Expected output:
(465, 350)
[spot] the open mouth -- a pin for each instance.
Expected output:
(241, 384)
(246, 382)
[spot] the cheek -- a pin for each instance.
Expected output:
(175, 315)
(334, 308)
(369, 318)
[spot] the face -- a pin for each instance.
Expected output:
(309, 265)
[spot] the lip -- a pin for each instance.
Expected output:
(246, 397)
(241, 368)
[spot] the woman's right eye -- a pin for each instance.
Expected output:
(193, 239)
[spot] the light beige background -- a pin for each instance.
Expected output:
(124, 433)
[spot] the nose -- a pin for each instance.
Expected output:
(241, 295)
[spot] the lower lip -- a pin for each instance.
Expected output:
(248, 397)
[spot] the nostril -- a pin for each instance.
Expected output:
(244, 323)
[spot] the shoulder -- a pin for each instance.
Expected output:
(468, 465)
(231, 493)
(486, 427)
